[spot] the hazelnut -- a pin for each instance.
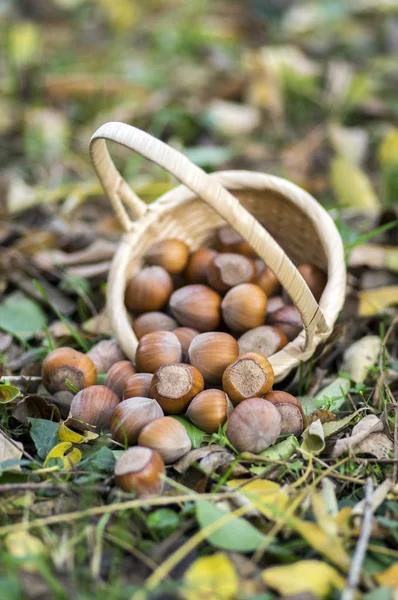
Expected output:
(196, 269)
(250, 375)
(196, 306)
(185, 336)
(118, 375)
(130, 416)
(138, 385)
(170, 254)
(265, 340)
(244, 307)
(105, 354)
(93, 407)
(268, 282)
(288, 320)
(293, 417)
(314, 278)
(148, 290)
(211, 353)
(168, 437)
(174, 385)
(65, 364)
(209, 409)
(228, 270)
(230, 240)
(153, 321)
(139, 470)
(156, 349)
(254, 425)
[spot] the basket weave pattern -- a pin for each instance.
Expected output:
(282, 222)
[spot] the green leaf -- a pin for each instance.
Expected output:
(8, 393)
(281, 451)
(196, 435)
(333, 396)
(163, 521)
(101, 461)
(21, 316)
(44, 434)
(237, 535)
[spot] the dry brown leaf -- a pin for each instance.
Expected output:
(369, 424)
(10, 450)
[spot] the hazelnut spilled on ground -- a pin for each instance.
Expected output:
(249, 376)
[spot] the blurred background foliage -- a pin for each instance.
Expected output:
(305, 90)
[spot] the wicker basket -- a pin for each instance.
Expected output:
(298, 230)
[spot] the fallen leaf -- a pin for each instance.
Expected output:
(66, 453)
(37, 407)
(389, 577)
(211, 577)
(361, 356)
(369, 424)
(374, 302)
(378, 497)
(21, 316)
(212, 462)
(333, 395)
(376, 444)
(67, 435)
(388, 150)
(352, 187)
(261, 493)
(305, 576)
(8, 393)
(10, 450)
(313, 439)
(26, 548)
(236, 535)
(282, 451)
(232, 119)
(374, 257)
(349, 142)
(44, 435)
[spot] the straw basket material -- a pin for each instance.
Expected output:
(282, 222)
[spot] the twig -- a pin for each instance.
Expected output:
(395, 473)
(360, 550)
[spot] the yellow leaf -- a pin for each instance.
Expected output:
(67, 435)
(311, 576)
(389, 577)
(322, 515)
(262, 492)
(211, 577)
(68, 458)
(24, 44)
(388, 151)
(374, 302)
(121, 13)
(352, 187)
(23, 545)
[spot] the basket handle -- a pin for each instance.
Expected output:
(213, 193)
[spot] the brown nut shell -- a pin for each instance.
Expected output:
(168, 437)
(93, 407)
(130, 416)
(211, 353)
(265, 340)
(250, 375)
(268, 282)
(156, 349)
(196, 306)
(171, 254)
(274, 303)
(105, 354)
(185, 336)
(244, 307)
(174, 385)
(138, 470)
(148, 290)
(153, 321)
(288, 320)
(198, 262)
(209, 409)
(227, 270)
(314, 278)
(293, 417)
(118, 375)
(67, 364)
(230, 240)
(138, 385)
(254, 425)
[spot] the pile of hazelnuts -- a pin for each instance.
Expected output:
(206, 323)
